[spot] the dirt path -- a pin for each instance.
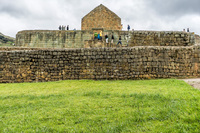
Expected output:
(193, 82)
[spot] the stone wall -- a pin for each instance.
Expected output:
(52, 39)
(162, 38)
(197, 39)
(85, 39)
(99, 63)
(65, 39)
(12, 48)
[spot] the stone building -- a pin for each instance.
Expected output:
(101, 17)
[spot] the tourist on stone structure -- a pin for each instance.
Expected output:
(95, 35)
(112, 40)
(128, 27)
(67, 27)
(120, 41)
(99, 37)
(188, 30)
(106, 37)
(60, 27)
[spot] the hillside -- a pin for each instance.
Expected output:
(6, 40)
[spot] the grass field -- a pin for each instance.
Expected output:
(100, 106)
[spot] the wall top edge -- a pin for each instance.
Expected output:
(103, 49)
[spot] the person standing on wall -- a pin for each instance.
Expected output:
(59, 27)
(67, 27)
(120, 41)
(128, 27)
(101, 35)
(106, 37)
(98, 36)
(95, 35)
(112, 41)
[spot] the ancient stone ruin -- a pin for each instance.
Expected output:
(149, 54)
(101, 18)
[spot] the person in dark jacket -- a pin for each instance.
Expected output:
(128, 27)
(120, 41)
(112, 41)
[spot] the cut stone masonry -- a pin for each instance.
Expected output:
(140, 62)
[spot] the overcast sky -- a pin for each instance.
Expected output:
(17, 15)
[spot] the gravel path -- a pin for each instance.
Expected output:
(193, 82)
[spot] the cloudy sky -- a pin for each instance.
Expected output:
(17, 15)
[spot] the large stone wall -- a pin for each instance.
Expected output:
(85, 39)
(65, 39)
(99, 63)
(52, 39)
(162, 38)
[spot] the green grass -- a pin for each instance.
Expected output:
(9, 44)
(100, 106)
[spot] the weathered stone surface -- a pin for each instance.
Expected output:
(141, 62)
(85, 39)
(101, 17)
(197, 39)
(161, 38)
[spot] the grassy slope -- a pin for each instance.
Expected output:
(100, 106)
(6, 40)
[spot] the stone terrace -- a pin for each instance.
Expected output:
(141, 62)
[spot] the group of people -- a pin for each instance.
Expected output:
(188, 30)
(99, 37)
(63, 27)
(112, 40)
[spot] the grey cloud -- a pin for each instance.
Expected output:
(175, 7)
(14, 11)
(142, 15)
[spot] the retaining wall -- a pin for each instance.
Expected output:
(197, 39)
(99, 63)
(85, 39)
(162, 38)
